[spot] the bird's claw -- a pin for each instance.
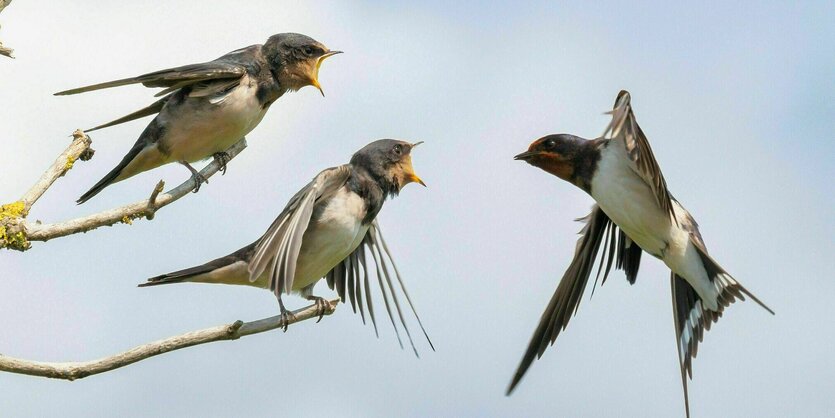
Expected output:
(196, 176)
(198, 180)
(322, 306)
(222, 158)
(286, 317)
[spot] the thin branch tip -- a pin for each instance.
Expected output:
(151, 211)
(233, 329)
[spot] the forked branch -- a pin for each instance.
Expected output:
(17, 233)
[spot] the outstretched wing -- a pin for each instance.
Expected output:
(598, 231)
(346, 280)
(278, 250)
(230, 66)
(624, 128)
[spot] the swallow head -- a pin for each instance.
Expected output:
(389, 162)
(295, 60)
(555, 154)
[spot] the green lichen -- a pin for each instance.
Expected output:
(69, 164)
(13, 210)
(128, 219)
(12, 240)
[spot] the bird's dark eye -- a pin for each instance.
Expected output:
(548, 144)
(307, 50)
(397, 149)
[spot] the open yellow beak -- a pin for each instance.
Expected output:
(411, 177)
(315, 80)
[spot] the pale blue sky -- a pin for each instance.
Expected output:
(737, 101)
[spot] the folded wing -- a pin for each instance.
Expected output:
(229, 66)
(202, 79)
(153, 109)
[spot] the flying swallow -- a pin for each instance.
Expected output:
(634, 213)
(325, 231)
(206, 108)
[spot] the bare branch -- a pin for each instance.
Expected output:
(78, 149)
(78, 370)
(4, 50)
(127, 213)
(16, 232)
(151, 209)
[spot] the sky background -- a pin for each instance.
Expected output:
(737, 101)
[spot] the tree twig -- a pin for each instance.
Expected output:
(17, 233)
(78, 370)
(79, 149)
(5, 50)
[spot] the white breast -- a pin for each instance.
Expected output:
(335, 233)
(628, 201)
(202, 126)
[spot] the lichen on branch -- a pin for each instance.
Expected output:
(11, 237)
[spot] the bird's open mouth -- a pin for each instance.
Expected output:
(324, 56)
(315, 80)
(408, 171)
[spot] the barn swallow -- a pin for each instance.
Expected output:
(206, 108)
(324, 232)
(634, 213)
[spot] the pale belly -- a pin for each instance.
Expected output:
(330, 238)
(334, 233)
(629, 202)
(203, 126)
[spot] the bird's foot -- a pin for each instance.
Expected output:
(196, 176)
(322, 306)
(198, 180)
(286, 317)
(222, 158)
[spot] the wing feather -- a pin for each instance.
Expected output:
(598, 231)
(366, 282)
(690, 317)
(278, 249)
(624, 128)
(355, 262)
(349, 278)
(382, 287)
(374, 243)
(230, 66)
(376, 227)
(152, 109)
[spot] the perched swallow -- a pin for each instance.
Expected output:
(635, 212)
(325, 231)
(208, 107)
